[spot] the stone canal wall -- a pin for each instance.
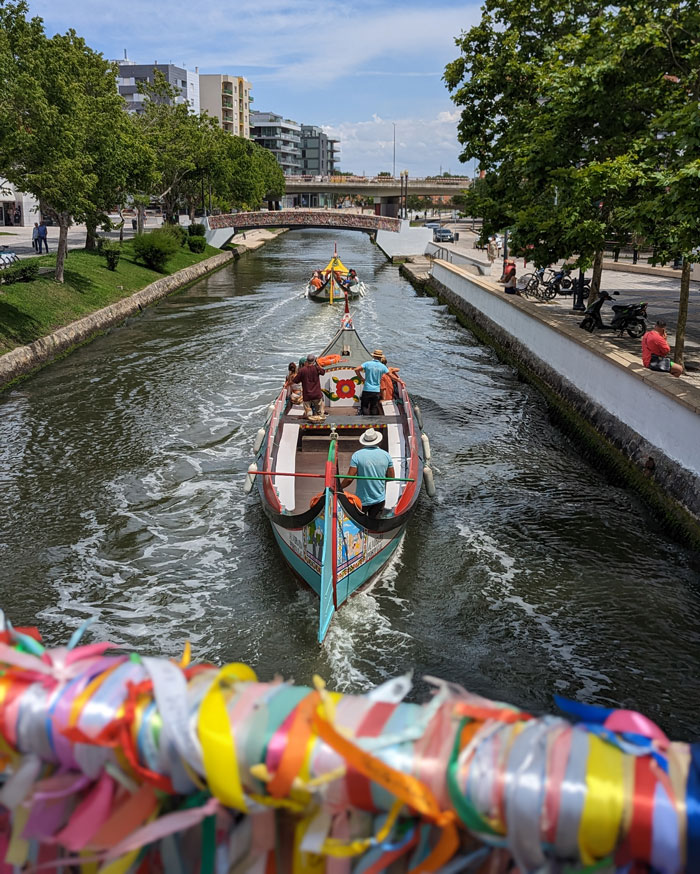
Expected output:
(649, 421)
(25, 359)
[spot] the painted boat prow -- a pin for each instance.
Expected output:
(327, 607)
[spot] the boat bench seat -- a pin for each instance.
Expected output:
(286, 462)
(395, 450)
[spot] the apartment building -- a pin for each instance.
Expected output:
(227, 98)
(132, 74)
(320, 155)
(281, 136)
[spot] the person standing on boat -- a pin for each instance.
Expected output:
(310, 378)
(373, 372)
(373, 462)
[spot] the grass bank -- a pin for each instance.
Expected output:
(30, 310)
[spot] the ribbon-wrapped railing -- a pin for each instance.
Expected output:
(113, 762)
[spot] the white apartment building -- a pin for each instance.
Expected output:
(227, 98)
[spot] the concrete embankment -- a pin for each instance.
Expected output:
(643, 425)
(249, 241)
(26, 359)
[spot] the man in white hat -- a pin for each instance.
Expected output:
(370, 461)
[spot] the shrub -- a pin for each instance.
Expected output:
(112, 252)
(178, 233)
(197, 244)
(155, 248)
(197, 230)
(20, 271)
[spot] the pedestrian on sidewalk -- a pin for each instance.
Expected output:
(41, 236)
(492, 250)
(35, 237)
(656, 353)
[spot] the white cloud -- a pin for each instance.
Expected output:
(424, 146)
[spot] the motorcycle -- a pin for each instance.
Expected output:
(626, 317)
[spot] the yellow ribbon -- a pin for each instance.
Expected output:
(217, 740)
(342, 850)
(604, 805)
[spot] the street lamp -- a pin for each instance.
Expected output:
(393, 172)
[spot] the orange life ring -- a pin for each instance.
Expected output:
(327, 360)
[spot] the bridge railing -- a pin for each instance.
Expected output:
(448, 181)
(304, 218)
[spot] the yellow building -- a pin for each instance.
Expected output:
(228, 99)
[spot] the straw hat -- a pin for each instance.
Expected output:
(377, 353)
(371, 437)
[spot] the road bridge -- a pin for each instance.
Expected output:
(377, 186)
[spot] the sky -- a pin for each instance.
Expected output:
(369, 72)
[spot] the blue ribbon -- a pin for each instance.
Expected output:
(692, 806)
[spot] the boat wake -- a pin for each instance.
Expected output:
(364, 634)
(507, 584)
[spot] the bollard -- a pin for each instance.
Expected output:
(578, 305)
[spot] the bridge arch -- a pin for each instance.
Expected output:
(220, 228)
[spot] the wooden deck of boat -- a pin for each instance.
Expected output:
(315, 462)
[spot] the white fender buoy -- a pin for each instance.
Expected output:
(259, 437)
(429, 482)
(270, 410)
(250, 478)
(419, 416)
(426, 446)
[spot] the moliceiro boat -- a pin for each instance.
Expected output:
(334, 282)
(325, 535)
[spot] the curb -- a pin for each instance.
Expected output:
(26, 359)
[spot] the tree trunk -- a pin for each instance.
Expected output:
(191, 212)
(595, 280)
(62, 251)
(140, 218)
(679, 347)
(91, 235)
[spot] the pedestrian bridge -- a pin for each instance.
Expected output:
(390, 232)
(297, 218)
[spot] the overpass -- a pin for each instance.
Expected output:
(377, 186)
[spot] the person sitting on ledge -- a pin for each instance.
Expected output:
(656, 353)
(508, 277)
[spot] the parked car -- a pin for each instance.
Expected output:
(443, 235)
(432, 225)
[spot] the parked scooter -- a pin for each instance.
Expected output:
(626, 317)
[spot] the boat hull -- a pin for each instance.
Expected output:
(323, 295)
(361, 556)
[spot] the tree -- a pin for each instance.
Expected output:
(557, 103)
(59, 98)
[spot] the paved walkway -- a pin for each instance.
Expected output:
(661, 293)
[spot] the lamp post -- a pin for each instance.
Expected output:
(403, 199)
(393, 172)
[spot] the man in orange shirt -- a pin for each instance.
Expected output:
(656, 353)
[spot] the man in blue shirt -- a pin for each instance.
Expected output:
(373, 462)
(374, 370)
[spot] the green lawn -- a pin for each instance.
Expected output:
(30, 310)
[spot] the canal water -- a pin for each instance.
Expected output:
(530, 574)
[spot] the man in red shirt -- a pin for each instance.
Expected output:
(310, 378)
(656, 353)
